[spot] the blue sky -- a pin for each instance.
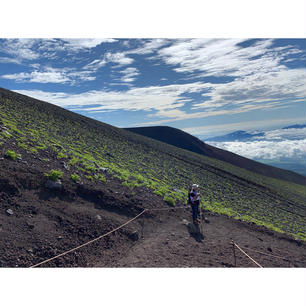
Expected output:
(206, 87)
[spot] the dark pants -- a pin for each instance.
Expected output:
(195, 211)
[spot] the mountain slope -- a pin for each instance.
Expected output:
(186, 141)
(110, 175)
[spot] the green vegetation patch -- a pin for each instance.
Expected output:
(62, 155)
(169, 200)
(10, 154)
(75, 178)
(54, 175)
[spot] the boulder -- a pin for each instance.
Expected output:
(56, 185)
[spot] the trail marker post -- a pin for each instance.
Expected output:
(233, 246)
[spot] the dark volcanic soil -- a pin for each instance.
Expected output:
(37, 223)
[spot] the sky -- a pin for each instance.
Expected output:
(206, 87)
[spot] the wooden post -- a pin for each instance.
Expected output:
(233, 245)
(142, 225)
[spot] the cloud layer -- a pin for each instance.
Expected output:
(293, 149)
(275, 144)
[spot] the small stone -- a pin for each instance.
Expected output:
(30, 225)
(9, 212)
(103, 169)
(99, 217)
(178, 191)
(65, 165)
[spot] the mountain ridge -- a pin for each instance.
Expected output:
(186, 141)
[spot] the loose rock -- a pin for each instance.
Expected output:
(56, 185)
(9, 212)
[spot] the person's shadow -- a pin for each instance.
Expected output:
(195, 232)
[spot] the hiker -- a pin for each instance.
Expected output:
(194, 200)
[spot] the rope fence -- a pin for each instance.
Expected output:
(275, 256)
(104, 235)
(239, 248)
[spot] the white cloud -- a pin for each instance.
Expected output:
(150, 46)
(119, 58)
(267, 127)
(256, 88)
(266, 149)
(287, 134)
(81, 43)
(7, 60)
(145, 98)
(31, 49)
(50, 75)
(129, 74)
(223, 57)
(20, 49)
(259, 73)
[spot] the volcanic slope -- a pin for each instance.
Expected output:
(109, 176)
(186, 141)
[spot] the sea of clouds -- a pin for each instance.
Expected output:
(274, 144)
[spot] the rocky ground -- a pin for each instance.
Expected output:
(37, 223)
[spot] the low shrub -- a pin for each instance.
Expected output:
(169, 201)
(22, 145)
(34, 150)
(54, 175)
(100, 177)
(89, 177)
(12, 155)
(75, 177)
(61, 155)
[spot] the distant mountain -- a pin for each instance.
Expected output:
(294, 163)
(235, 136)
(186, 141)
(296, 126)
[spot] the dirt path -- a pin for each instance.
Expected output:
(168, 243)
(43, 224)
